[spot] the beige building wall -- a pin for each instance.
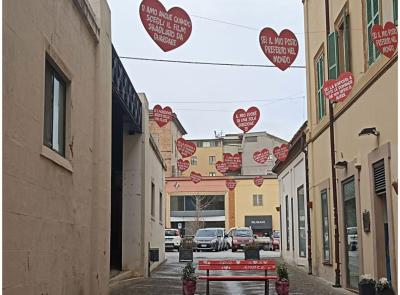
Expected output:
(372, 103)
(204, 166)
(56, 210)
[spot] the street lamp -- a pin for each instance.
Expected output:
(369, 131)
(341, 165)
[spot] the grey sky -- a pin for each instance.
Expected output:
(181, 85)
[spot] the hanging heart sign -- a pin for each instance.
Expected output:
(281, 50)
(195, 177)
(230, 184)
(338, 90)
(221, 167)
(281, 152)
(233, 161)
(246, 120)
(185, 148)
(258, 180)
(183, 165)
(169, 29)
(162, 115)
(261, 156)
(385, 39)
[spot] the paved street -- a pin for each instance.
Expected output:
(166, 280)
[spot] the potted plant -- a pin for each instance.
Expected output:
(366, 285)
(282, 284)
(189, 279)
(252, 251)
(383, 287)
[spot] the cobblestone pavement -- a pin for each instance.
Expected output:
(166, 280)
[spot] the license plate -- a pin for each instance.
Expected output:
(203, 245)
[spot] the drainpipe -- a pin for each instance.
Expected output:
(309, 254)
(333, 160)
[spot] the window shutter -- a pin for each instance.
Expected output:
(332, 56)
(395, 12)
(346, 39)
(379, 178)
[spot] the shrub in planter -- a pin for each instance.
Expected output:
(383, 287)
(282, 284)
(189, 279)
(366, 285)
(251, 251)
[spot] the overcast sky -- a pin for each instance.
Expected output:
(205, 97)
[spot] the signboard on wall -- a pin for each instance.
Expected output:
(258, 222)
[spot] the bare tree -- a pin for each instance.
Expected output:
(201, 203)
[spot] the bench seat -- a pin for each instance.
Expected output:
(238, 278)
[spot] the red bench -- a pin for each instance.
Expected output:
(264, 265)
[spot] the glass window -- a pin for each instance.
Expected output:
(153, 192)
(257, 200)
(190, 203)
(321, 111)
(160, 213)
(372, 19)
(395, 12)
(54, 110)
(177, 203)
(301, 221)
(211, 160)
(206, 144)
(193, 160)
(325, 227)
(212, 202)
(287, 222)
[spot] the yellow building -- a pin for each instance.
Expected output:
(362, 138)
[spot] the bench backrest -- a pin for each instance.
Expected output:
(237, 265)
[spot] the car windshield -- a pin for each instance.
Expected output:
(243, 233)
(276, 235)
(171, 233)
(206, 233)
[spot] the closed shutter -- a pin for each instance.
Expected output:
(395, 5)
(333, 59)
(379, 178)
(346, 39)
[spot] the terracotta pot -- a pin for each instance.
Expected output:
(366, 289)
(282, 288)
(189, 287)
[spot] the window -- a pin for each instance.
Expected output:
(160, 213)
(193, 160)
(54, 110)
(177, 203)
(212, 174)
(301, 221)
(190, 203)
(206, 144)
(379, 178)
(372, 19)
(257, 200)
(320, 82)
(339, 47)
(211, 160)
(325, 227)
(153, 196)
(250, 139)
(287, 223)
(395, 12)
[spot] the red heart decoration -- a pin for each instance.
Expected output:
(262, 156)
(169, 29)
(185, 148)
(281, 152)
(182, 165)
(230, 184)
(281, 50)
(221, 167)
(195, 177)
(246, 120)
(258, 180)
(385, 39)
(233, 161)
(162, 115)
(338, 90)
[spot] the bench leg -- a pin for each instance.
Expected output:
(266, 291)
(208, 284)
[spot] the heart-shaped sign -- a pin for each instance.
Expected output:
(233, 161)
(281, 50)
(261, 156)
(162, 115)
(258, 180)
(230, 184)
(338, 90)
(185, 148)
(246, 120)
(195, 177)
(169, 29)
(221, 167)
(281, 152)
(385, 39)
(183, 165)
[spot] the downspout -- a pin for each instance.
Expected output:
(305, 150)
(333, 160)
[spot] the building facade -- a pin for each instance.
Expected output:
(354, 213)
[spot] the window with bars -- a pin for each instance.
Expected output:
(257, 200)
(321, 109)
(372, 10)
(379, 178)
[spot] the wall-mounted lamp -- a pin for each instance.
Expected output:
(369, 131)
(341, 165)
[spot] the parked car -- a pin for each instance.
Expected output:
(263, 242)
(276, 240)
(223, 244)
(240, 237)
(207, 239)
(173, 239)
